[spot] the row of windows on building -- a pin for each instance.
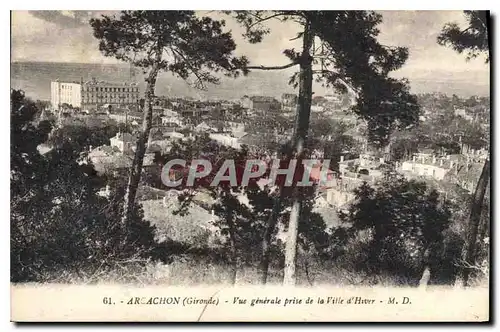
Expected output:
(102, 89)
(110, 100)
(109, 95)
(109, 89)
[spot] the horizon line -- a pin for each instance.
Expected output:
(85, 63)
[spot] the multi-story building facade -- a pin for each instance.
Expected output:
(462, 170)
(69, 93)
(428, 167)
(98, 93)
(94, 94)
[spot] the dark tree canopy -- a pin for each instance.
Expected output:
(190, 45)
(405, 218)
(473, 39)
(59, 221)
(362, 66)
(176, 41)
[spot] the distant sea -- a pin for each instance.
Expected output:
(35, 77)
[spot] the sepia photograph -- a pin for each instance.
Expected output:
(250, 165)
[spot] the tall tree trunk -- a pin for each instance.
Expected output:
(485, 223)
(469, 252)
(234, 251)
(137, 163)
(266, 240)
(300, 136)
(426, 274)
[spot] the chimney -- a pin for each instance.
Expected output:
(433, 159)
(341, 159)
(414, 158)
(441, 162)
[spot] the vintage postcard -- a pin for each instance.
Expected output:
(250, 166)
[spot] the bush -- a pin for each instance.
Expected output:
(59, 221)
(403, 222)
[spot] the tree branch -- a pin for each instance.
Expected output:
(465, 30)
(194, 71)
(273, 67)
(260, 19)
(295, 38)
(347, 85)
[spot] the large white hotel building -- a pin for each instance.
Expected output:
(94, 94)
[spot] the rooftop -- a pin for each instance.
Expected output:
(113, 84)
(262, 99)
(448, 161)
(358, 177)
(99, 83)
(468, 173)
(124, 136)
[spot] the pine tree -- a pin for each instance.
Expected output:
(474, 40)
(59, 222)
(175, 41)
(405, 220)
(362, 66)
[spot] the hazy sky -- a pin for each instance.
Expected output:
(66, 37)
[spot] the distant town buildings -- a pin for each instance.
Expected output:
(445, 171)
(117, 157)
(466, 176)
(170, 117)
(133, 118)
(466, 114)
(65, 93)
(194, 111)
(352, 173)
(234, 127)
(429, 167)
(461, 169)
(124, 142)
(289, 99)
(365, 164)
(226, 140)
(333, 98)
(261, 103)
(83, 120)
(94, 94)
(289, 102)
(203, 127)
(238, 123)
